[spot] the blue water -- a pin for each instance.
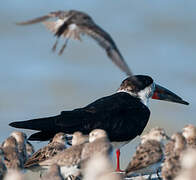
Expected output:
(155, 37)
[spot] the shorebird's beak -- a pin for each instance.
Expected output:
(162, 93)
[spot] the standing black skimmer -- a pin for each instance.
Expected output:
(122, 115)
(72, 24)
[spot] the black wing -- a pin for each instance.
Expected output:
(121, 115)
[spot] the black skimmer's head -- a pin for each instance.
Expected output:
(144, 88)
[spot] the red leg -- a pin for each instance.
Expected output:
(118, 161)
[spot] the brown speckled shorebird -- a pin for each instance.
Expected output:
(21, 140)
(188, 164)
(79, 138)
(29, 149)
(149, 154)
(72, 24)
(99, 167)
(173, 152)
(98, 143)
(70, 159)
(189, 132)
(54, 173)
(57, 145)
(12, 160)
(3, 168)
(14, 174)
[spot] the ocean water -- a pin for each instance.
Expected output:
(156, 38)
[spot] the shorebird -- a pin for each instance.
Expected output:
(3, 168)
(98, 144)
(54, 173)
(72, 24)
(21, 139)
(189, 132)
(149, 154)
(99, 167)
(79, 138)
(12, 160)
(174, 149)
(122, 115)
(188, 164)
(70, 159)
(14, 174)
(57, 145)
(29, 149)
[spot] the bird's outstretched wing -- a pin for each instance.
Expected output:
(71, 24)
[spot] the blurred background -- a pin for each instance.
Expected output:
(156, 38)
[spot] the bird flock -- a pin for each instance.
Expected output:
(89, 157)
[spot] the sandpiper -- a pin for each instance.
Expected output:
(188, 164)
(12, 160)
(171, 165)
(3, 168)
(54, 173)
(79, 138)
(14, 174)
(98, 143)
(57, 145)
(99, 167)
(29, 149)
(72, 24)
(149, 154)
(21, 139)
(189, 132)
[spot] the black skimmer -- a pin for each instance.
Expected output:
(122, 115)
(72, 24)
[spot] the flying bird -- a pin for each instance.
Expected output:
(123, 115)
(72, 24)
